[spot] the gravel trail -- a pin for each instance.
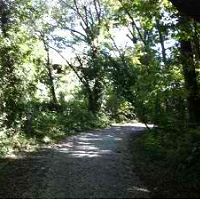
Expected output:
(91, 165)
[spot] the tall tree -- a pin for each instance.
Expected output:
(189, 71)
(39, 19)
(8, 60)
(83, 21)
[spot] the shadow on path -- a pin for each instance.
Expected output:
(95, 164)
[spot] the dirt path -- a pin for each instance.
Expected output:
(93, 165)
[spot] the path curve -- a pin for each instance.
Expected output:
(91, 165)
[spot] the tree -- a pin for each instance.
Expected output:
(189, 71)
(11, 93)
(83, 24)
(37, 17)
(140, 62)
(190, 8)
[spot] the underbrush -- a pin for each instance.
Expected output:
(12, 141)
(168, 160)
(41, 125)
(56, 125)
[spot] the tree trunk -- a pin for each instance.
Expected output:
(94, 104)
(196, 43)
(91, 104)
(190, 77)
(191, 83)
(161, 38)
(51, 79)
(94, 98)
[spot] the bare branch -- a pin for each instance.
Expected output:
(79, 14)
(121, 54)
(131, 37)
(75, 31)
(91, 17)
(75, 9)
(86, 15)
(115, 45)
(98, 12)
(133, 23)
(71, 66)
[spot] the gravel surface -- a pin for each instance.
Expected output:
(91, 165)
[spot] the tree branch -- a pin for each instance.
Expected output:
(71, 66)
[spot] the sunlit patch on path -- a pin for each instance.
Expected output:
(88, 145)
(94, 164)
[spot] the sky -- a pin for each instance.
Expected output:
(120, 37)
(121, 40)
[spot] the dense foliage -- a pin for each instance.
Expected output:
(67, 66)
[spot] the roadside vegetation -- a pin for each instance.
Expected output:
(68, 66)
(168, 160)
